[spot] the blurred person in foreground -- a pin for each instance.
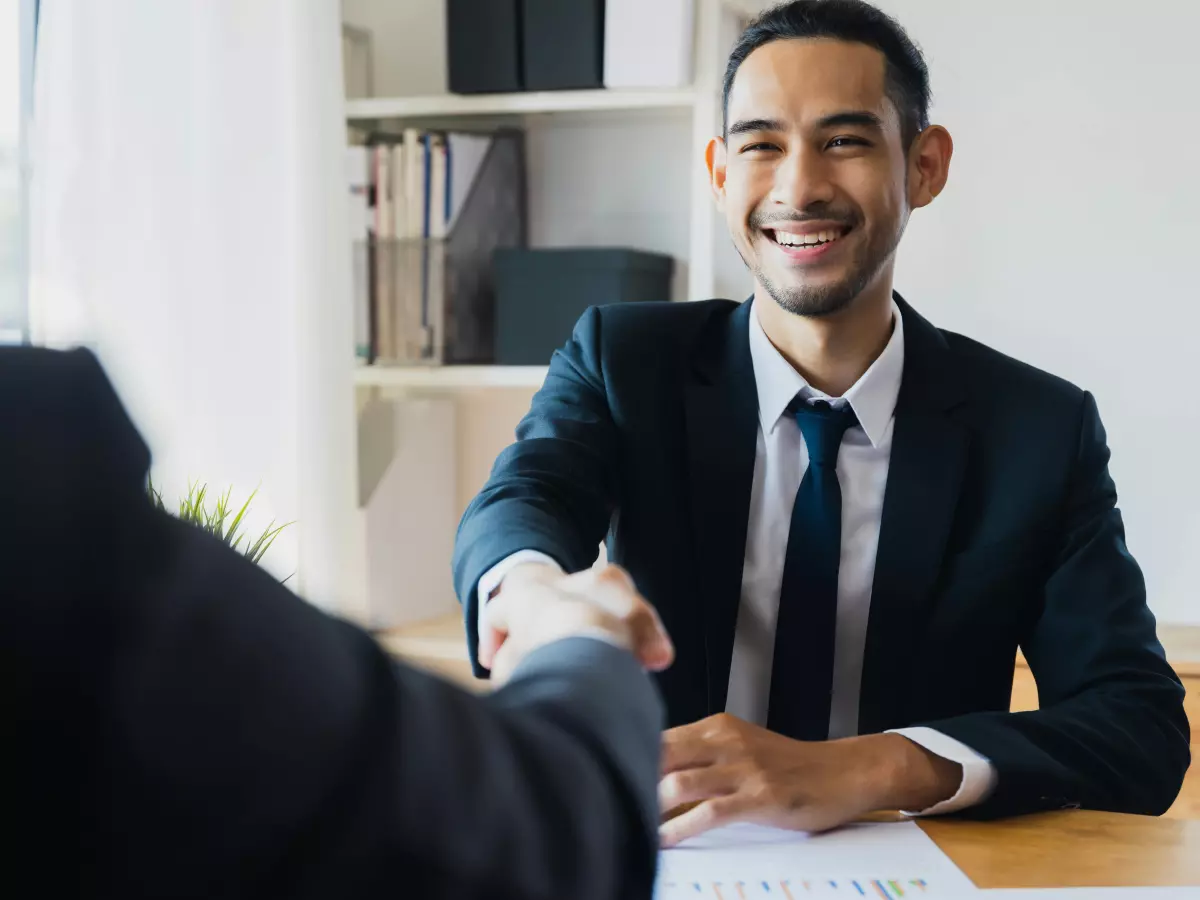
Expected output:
(177, 724)
(848, 518)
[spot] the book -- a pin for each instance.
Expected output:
(358, 226)
(414, 183)
(443, 202)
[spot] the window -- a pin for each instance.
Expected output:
(17, 29)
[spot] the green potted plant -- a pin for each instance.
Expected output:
(219, 519)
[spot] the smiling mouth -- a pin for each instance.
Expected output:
(809, 241)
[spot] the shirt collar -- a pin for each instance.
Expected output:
(872, 397)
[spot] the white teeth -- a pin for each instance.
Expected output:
(805, 240)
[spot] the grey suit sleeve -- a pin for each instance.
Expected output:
(185, 726)
(600, 695)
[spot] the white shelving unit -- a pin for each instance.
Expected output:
(456, 419)
(529, 103)
(715, 26)
(441, 378)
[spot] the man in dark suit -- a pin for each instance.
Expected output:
(177, 724)
(849, 519)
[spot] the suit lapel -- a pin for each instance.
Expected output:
(722, 423)
(929, 454)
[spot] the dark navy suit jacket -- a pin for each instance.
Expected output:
(178, 724)
(1000, 530)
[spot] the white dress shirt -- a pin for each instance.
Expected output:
(781, 459)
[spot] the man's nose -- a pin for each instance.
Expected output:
(802, 179)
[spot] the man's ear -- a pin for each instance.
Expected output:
(929, 165)
(715, 158)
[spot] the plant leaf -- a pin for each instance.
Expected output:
(253, 548)
(265, 540)
(193, 509)
(221, 514)
(237, 520)
(267, 546)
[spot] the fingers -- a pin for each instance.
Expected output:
(489, 642)
(493, 630)
(503, 663)
(650, 639)
(693, 785)
(708, 815)
(608, 590)
(612, 588)
(687, 747)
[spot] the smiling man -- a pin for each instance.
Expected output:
(848, 519)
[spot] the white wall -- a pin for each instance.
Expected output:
(409, 43)
(188, 224)
(1068, 234)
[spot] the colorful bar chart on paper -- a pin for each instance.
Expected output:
(798, 889)
(878, 861)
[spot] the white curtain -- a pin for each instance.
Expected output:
(188, 223)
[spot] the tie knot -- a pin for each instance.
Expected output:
(823, 427)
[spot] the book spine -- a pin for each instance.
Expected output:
(413, 180)
(384, 223)
(439, 188)
(399, 192)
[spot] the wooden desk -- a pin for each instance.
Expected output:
(1074, 848)
(1059, 849)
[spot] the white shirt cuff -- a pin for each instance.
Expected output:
(491, 579)
(979, 775)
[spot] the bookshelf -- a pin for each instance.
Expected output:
(611, 167)
(441, 378)
(374, 109)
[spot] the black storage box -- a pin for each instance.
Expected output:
(563, 44)
(483, 46)
(540, 294)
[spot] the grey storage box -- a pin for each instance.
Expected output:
(540, 294)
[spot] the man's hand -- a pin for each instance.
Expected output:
(524, 575)
(603, 603)
(723, 770)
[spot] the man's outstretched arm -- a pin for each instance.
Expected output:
(180, 724)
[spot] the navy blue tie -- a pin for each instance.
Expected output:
(802, 670)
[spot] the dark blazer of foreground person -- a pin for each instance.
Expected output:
(177, 724)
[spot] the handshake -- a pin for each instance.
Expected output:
(539, 605)
(721, 769)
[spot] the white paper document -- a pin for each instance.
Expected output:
(1091, 893)
(884, 861)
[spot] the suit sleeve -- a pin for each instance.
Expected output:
(554, 489)
(183, 725)
(1111, 733)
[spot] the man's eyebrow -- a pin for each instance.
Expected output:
(856, 117)
(748, 126)
(860, 117)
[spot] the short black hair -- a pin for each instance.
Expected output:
(847, 20)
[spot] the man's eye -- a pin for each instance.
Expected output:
(848, 142)
(761, 145)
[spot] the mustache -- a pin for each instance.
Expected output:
(816, 212)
